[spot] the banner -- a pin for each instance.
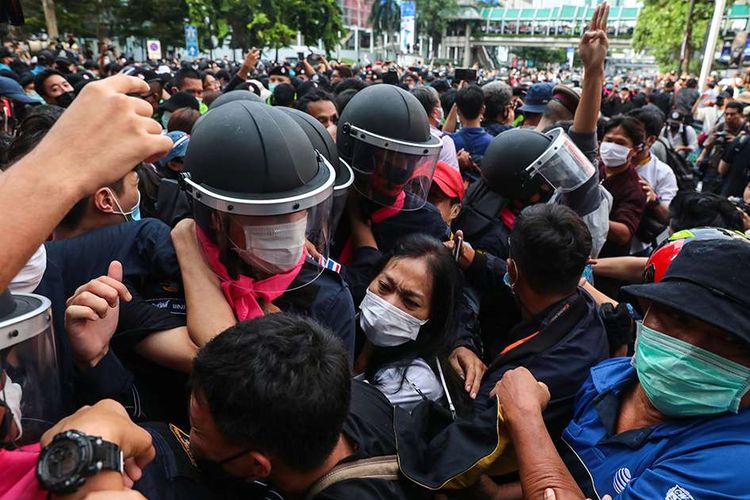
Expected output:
(408, 25)
(191, 40)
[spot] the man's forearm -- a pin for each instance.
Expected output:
(46, 197)
(539, 465)
(587, 114)
(619, 233)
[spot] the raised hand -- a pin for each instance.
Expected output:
(594, 42)
(92, 313)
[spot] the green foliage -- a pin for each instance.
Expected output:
(433, 15)
(661, 28)
(385, 16)
(541, 57)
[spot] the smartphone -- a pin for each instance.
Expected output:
(465, 75)
(457, 248)
(300, 56)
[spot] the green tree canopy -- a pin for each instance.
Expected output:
(660, 29)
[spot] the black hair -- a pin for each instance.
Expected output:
(497, 97)
(651, 120)
(315, 95)
(349, 83)
(283, 95)
(183, 74)
(32, 130)
(436, 336)
(223, 74)
(427, 97)
(633, 128)
(690, 209)
(736, 105)
(42, 77)
(692, 83)
(447, 99)
(343, 99)
(550, 244)
(280, 383)
(469, 101)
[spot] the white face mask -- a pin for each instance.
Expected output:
(11, 395)
(441, 115)
(385, 324)
(276, 248)
(613, 155)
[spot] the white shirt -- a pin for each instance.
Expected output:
(29, 277)
(676, 139)
(448, 151)
(664, 182)
(419, 382)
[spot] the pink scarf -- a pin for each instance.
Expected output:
(244, 292)
(381, 214)
(18, 479)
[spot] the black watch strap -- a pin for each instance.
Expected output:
(107, 456)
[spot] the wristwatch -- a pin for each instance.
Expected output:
(73, 456)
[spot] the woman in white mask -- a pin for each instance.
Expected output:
(407, 318)
(624, 138)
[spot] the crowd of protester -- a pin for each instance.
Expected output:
(315, 280)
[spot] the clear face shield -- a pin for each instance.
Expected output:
(562, 165)
(30, 397)
(392, 173)
(341, 194)
(284, 238)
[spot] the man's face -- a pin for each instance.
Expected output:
(733, 118)
(696, 332)
(207, 443)
(192, 86)
(279, 79)
(323, 111)
(335, 77)
(55, 86)
(212, 84)
(128, 196)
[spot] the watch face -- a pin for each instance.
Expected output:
(64, 459)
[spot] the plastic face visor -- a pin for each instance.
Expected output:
(261, 207)
(390, 172)
(29, 375)
(562, 165)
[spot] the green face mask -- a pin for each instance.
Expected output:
(682, 380)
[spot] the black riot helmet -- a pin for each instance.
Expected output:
(324, 144)
(519, 161)
(261, 192)
(235, 95)
(384, 134)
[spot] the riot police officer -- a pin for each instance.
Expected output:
(261, 203)
(384, 134)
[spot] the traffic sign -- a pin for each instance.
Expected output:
(191, 40)
(153, 47)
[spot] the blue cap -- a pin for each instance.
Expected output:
(180, 141)
(537, 98)
(12, 90)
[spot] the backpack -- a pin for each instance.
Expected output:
(682, 170)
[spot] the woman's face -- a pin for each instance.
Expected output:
(406, 283)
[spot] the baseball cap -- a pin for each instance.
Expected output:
(5, 52)
(180, 141)
(449, 180)
(279, 70)
(675, 117)
(567, 96)
(12, 90)
(537, 98)
(708, 281)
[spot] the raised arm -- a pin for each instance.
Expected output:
(593, 50)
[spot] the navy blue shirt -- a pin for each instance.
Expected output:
(690, 458)
(472, 139)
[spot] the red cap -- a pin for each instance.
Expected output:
(449, 180)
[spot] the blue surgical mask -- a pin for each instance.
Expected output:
(132, 214)
(165, 119)
(272, 86)
(682, 380)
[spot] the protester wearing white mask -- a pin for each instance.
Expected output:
(624, 138)
(407, 318)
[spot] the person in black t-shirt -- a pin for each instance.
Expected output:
(272, 400)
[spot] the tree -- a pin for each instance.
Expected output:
(385, 16)
(160, 19)
(433, 16)
(660, 29)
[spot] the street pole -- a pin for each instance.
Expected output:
(713, 35)
(50, 18)
(685, 50)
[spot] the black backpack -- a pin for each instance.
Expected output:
(680, 166)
